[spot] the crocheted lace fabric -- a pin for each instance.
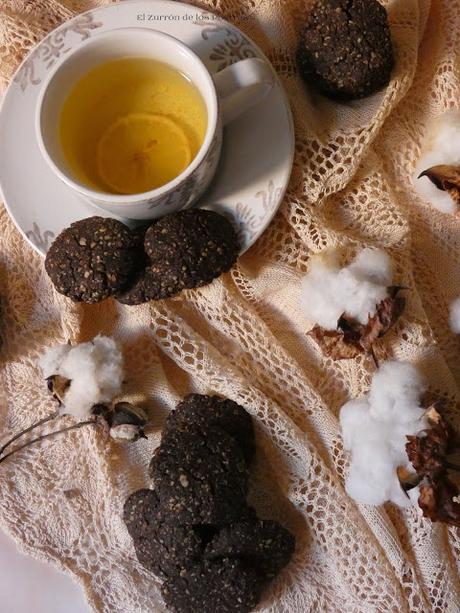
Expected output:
(245, 337)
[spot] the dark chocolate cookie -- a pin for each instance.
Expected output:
(139, 512)
(161, 547)
(204, 412)
(264, 545)
(189, 249)
(138, 234)
(221, 586)
(146, 286)
(92, 259)
(200, 477)
(345, 49)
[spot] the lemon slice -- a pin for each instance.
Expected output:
(142, 151)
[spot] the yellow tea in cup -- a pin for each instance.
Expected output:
(132, 125)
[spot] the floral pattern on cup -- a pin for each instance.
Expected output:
(53, 47)
(42, 240)
(233, 48)
(249, 222)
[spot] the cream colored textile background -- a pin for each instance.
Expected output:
(244, 337)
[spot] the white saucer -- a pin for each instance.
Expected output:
(258, 147)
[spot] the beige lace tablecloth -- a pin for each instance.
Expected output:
(244, 337)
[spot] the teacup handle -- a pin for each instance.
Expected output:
(242, 85)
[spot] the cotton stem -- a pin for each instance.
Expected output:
(29, 429)
(49, 435)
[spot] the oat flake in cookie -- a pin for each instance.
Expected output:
(263, 544)
(162, 547)
(345, 50)
(92, 259)
(146, 287)
(219, 586)
(204, 412)
(200, 477)
(190, 249)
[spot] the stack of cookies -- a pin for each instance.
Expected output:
(98, 258)
(194, 530)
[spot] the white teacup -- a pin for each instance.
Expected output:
(227, 94)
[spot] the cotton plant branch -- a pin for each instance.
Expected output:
(43, 437)
(29, 429)
(86, 380)
(124, 422)
(57, 386)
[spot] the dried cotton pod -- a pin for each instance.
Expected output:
(127, 422)
(58, 387)
(446, 178)
(127, 413)
(436, 177)
(126, 433)
(351, 306)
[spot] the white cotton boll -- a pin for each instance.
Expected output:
(109, 367)
(328, 291)
(442, 147)
(396, 391)
(352, 416)
(398, 496)
(359, 298)
(454, 316)
(317, 297)
(95, 371)
(375, 430)
(373, 478)
(51, 359)
(373, 265)
(428, 191)
(125, 432)
(80, 398)
(445, 136)
(362, 488)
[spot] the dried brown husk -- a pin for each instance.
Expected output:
(445, 178)
(407, 479)
(334, 344)
(437, 500)
(352, 339)
(125, 413)
(428, 450)
(58, 386)
(428, 453)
